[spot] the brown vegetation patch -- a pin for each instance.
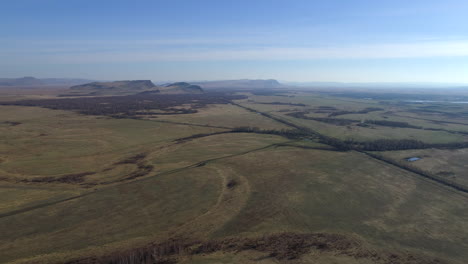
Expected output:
(11, 123)
(283, 247)
(132, 160)
(69, 178)
(142, 170)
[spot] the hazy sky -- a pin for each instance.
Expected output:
(304, 40)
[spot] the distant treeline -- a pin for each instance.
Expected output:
(280, 103)
(288, 133)
(401, 144)
(446, 114)
(132, 105)
(363, 111)
(391, 124)
(369, 123)
(333, 121)
(346, 122)
(268, 92)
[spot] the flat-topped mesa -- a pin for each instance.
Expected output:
(181, 88)
(127, 85)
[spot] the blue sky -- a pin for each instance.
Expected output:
(304, 40)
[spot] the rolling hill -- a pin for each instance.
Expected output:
(117, 85)
(181, 87)
(132, 87)
(240, 84)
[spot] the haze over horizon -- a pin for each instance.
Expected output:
(332, 41)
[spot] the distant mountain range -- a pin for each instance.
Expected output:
(117, 85)
(87, 84)
(375, 84)
(219, 84)
(132, 87)
(147, 87)
(32, 81)
(244, 83)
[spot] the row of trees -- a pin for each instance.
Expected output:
(363, 111)
(365, 123)
(280, 103)
(400, 144)
(288, 133)
(333, 121)
(132, 105)
(391, 124)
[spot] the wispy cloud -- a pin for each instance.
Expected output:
(375, 51)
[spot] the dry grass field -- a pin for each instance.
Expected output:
(226, 116)
(184, 188)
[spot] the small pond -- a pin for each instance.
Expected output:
(411, 159)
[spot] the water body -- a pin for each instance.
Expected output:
(412, 159)
(429, 101)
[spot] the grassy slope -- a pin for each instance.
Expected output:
(280, 189)
(277, 189)
(123, 212)
(314, 191)
(49, 143)
(135, 210)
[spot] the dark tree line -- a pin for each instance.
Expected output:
(280, 103)
(132, 105)
(401, 144)
(334, 142)
(333, 121)
(365, 123)
(288, 133)
(391, 124)
(363, 111)
(387, 144)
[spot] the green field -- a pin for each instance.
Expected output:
(227, 116)
(401, 113)
(78, 187)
